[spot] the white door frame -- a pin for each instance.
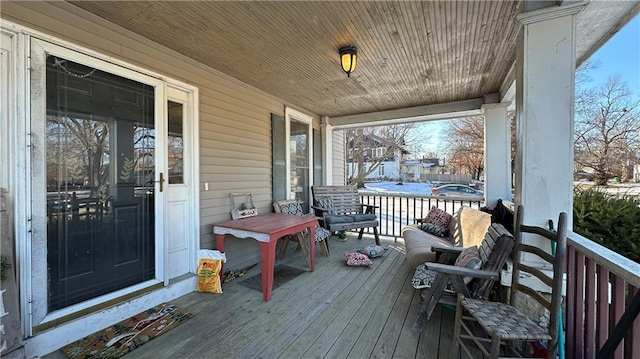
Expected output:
(32, 253)
(299, 116)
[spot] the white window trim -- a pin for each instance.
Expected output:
(290, 113)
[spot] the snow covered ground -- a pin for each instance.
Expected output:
(394, 187)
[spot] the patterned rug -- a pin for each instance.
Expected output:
(282, 273)
(119, 339)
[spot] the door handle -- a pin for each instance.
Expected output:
(161, 181)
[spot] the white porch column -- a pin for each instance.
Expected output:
(497, 154)
(326, 131)
(544, 103)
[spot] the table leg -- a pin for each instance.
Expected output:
(220, 247)
(268, 261)
(312, 246)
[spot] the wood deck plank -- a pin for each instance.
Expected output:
(323, 309)
(334, 312)
(351, 318)
(371, 333)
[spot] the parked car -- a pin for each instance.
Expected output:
(456, 190)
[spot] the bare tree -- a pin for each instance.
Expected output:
(464, 142)
(607, 130)
(362, 159)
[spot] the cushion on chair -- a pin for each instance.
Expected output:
(335, 218)
(423, 278)
(435, 229)
(363, 217)
(322, 234)
(356, 259)
(438, 216)
(469, 258)
(326, 203)
(294, 208)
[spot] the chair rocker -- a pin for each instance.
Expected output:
(490, 326)
(295, 208)
(448, 280)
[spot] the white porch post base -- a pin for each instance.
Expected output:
(497, 154)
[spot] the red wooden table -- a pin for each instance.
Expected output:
(266, 229)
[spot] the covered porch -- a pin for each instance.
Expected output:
(242, 64)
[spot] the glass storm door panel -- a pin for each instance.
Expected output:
(299, 162)
(100, 170)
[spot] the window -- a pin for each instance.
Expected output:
(380, 151)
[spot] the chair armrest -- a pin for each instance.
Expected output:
(319, 209)
(455, 250)
(464, 272)
(369, 208)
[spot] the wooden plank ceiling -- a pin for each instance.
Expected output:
(410, 53)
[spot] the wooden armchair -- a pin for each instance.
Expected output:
(448, 279)
(491, 325)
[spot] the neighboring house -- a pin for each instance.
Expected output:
(416, 170)
(372, 148)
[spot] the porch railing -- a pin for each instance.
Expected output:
(600, 287)
(601, 284)
(398, 210)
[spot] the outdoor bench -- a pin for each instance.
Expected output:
(340, 209)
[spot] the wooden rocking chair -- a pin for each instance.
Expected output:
(495, 324)
(448, 279)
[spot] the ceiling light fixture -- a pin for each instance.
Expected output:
(348, 59)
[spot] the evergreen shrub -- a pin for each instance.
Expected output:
(608, 220)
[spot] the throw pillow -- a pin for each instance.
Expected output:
(372, 250)
(469, 258)
(356, 259)
(294, 208)
(435, 229)
(326, 203)
(423, 277)
(438, 216)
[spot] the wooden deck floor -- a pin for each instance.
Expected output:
(334, 312)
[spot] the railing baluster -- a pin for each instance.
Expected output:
(579, 314)
(572, 327)
(616, 311)
(590, 309)
(602, 330)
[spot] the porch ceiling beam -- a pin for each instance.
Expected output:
(412, 114)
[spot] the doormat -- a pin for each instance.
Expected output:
(282, 273)
(119, 339)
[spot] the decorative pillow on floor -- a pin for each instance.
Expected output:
(435, 229)
(438, 216)
(469, 258)
(372, 250)
(356, 259)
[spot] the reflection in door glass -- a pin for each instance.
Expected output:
(299, 156)
(175, 143)
(100, 145)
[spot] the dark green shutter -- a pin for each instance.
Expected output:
(279, 165)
